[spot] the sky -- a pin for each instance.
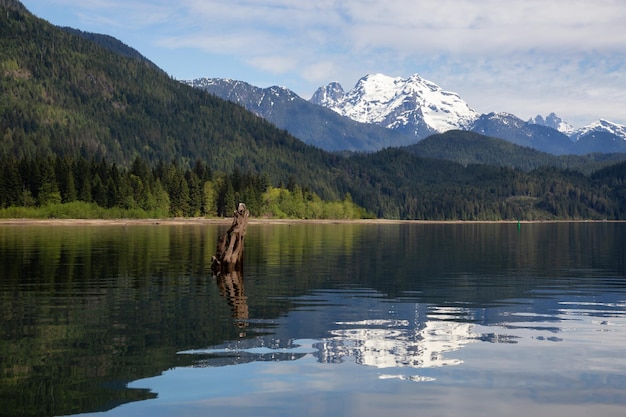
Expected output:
(526, 57)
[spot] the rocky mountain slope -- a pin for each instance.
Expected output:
(555, 122)
(315, 125)
(513, 129)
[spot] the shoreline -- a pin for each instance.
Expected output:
(262, 221)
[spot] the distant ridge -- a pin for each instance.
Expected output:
(555, 122)
(513, 129)
(468, 148)
(382, 111)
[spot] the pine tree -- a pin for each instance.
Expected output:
(48, 192)
(98, 191)
(10, 184)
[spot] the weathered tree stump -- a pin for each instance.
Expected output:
(229, 255)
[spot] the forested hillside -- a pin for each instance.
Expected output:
(84, 126)
(397, 184)
(63, 94)
(468, 147)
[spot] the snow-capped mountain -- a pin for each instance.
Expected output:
(513, 129)
(601, 136)
(555, 122)
(253, 98)
(600, 126)
(413, 105)
(328, 96)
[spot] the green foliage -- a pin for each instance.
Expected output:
(64, 94)
(49, 188)
(613, 180)
(76, 210)
(283, 203)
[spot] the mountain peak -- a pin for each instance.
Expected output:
(601, 125)
(329, 95)
(555, 122)
(413, 105)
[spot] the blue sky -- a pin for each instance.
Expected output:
(525, 57)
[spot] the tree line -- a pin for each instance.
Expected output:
(162, 190)
(395, 184)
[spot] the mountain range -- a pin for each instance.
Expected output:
(313, 124)
(413, 108)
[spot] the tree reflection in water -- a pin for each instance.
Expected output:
(231, 287)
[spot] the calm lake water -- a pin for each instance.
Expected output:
(325, 320)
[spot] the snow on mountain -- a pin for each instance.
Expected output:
(555, 122)
(485, 122)
(382, 111)
(413, 104)
(243, 93)
(328, 96)
(513, 129)
(313, 124)
(600, 126)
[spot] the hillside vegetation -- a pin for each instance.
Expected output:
(68, 99)
(65, 95)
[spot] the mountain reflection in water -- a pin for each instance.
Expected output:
(332, 319)
(379, 343)
(426, 337)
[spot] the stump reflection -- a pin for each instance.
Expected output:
(231, 288)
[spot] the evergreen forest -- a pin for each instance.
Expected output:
(65, 188)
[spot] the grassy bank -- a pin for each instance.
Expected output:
(77, 210)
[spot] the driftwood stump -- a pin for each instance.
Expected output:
(229, 255)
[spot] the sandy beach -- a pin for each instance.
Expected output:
(228, 220)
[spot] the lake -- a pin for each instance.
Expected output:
(346, 319)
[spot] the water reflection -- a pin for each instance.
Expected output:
(403, 334)
(425, 343)
(329, 315)
(380, 343)
(428, 341)
(231, 287)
